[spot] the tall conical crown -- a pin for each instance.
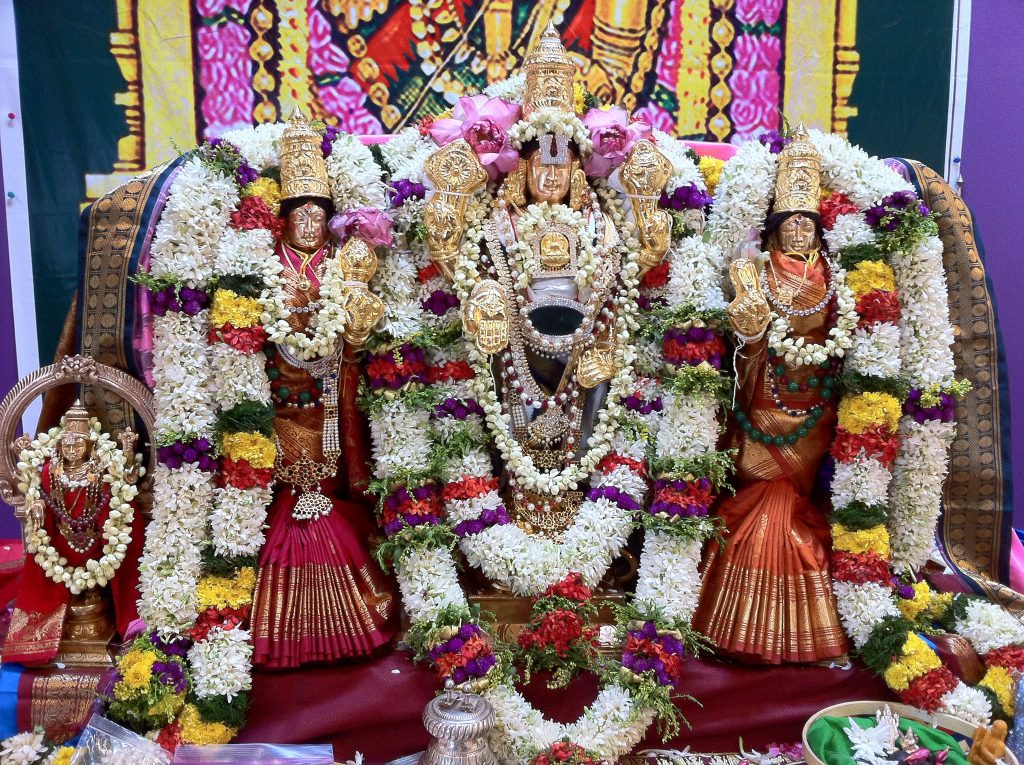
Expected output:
(549, 75)
(76, 419)
(303, 169)
(798, 182)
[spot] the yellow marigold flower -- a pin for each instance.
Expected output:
(64, 755)
(227, 592)
(870, 275)
(860, 412)
(136, 668)
(917, 659)
(921, 601)
(195, 730)
(711, 169)
(578, 100)
(254, 448)
(999, 681)
(229, 308)
(267, 189)
(874, 539)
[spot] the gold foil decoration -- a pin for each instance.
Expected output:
(303, 169)
(365, 311)
(485, 316)
(358, 260)
(514, 184)
(456, 173)
(798, 181)
(577, 187)
(644, 175)
(748, 313)
(597, 363)
(549, 75)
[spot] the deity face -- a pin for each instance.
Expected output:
(547, 183)
(797, 233)
(307, 227)
(73, 448)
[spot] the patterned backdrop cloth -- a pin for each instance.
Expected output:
(715, 70)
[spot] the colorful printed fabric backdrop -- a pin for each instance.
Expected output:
(124, 86)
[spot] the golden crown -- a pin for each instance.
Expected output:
(549, 75)
(303, 169)
(798, 182)
(76, 419)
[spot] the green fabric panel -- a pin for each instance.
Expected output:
(67, 79)
(902, 89)
(827, 739)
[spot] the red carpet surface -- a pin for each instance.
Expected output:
(375, 707)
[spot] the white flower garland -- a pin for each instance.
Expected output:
(798, 352)
(116, 528)
(551, 122)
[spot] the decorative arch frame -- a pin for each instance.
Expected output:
(69, 370)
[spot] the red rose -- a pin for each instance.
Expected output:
(655, 277)
(878, 306)
(832, 207)
(253, 213)
(243, 340)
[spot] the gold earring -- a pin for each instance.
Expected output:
(577, 186)
(514, 185)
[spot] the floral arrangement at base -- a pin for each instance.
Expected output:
(896, 412)
(32, 748)
(560, 637)
(566, 752)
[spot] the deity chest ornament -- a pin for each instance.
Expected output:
(549, 75)
(303, 169)
(798, 183)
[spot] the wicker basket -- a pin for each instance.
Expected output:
(868, 708)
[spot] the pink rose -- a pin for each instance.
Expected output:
(484, 123)
(613, 136)
(367, 223)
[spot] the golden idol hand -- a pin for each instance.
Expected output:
(749, 312)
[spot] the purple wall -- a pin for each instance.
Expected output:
(993, 167)
(9, 527)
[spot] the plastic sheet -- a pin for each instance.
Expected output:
(257, 754)
(106, 743)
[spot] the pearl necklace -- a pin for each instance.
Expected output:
(787, 308)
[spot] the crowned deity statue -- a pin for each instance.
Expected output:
(541, 306)
(83, 537)
(766, 596)
(319, 594)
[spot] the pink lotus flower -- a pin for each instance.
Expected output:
(613, 136)
(484, 123)
(367, 223)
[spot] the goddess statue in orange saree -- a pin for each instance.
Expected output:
(766, 596)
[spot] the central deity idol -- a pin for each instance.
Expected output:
(541, 305)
